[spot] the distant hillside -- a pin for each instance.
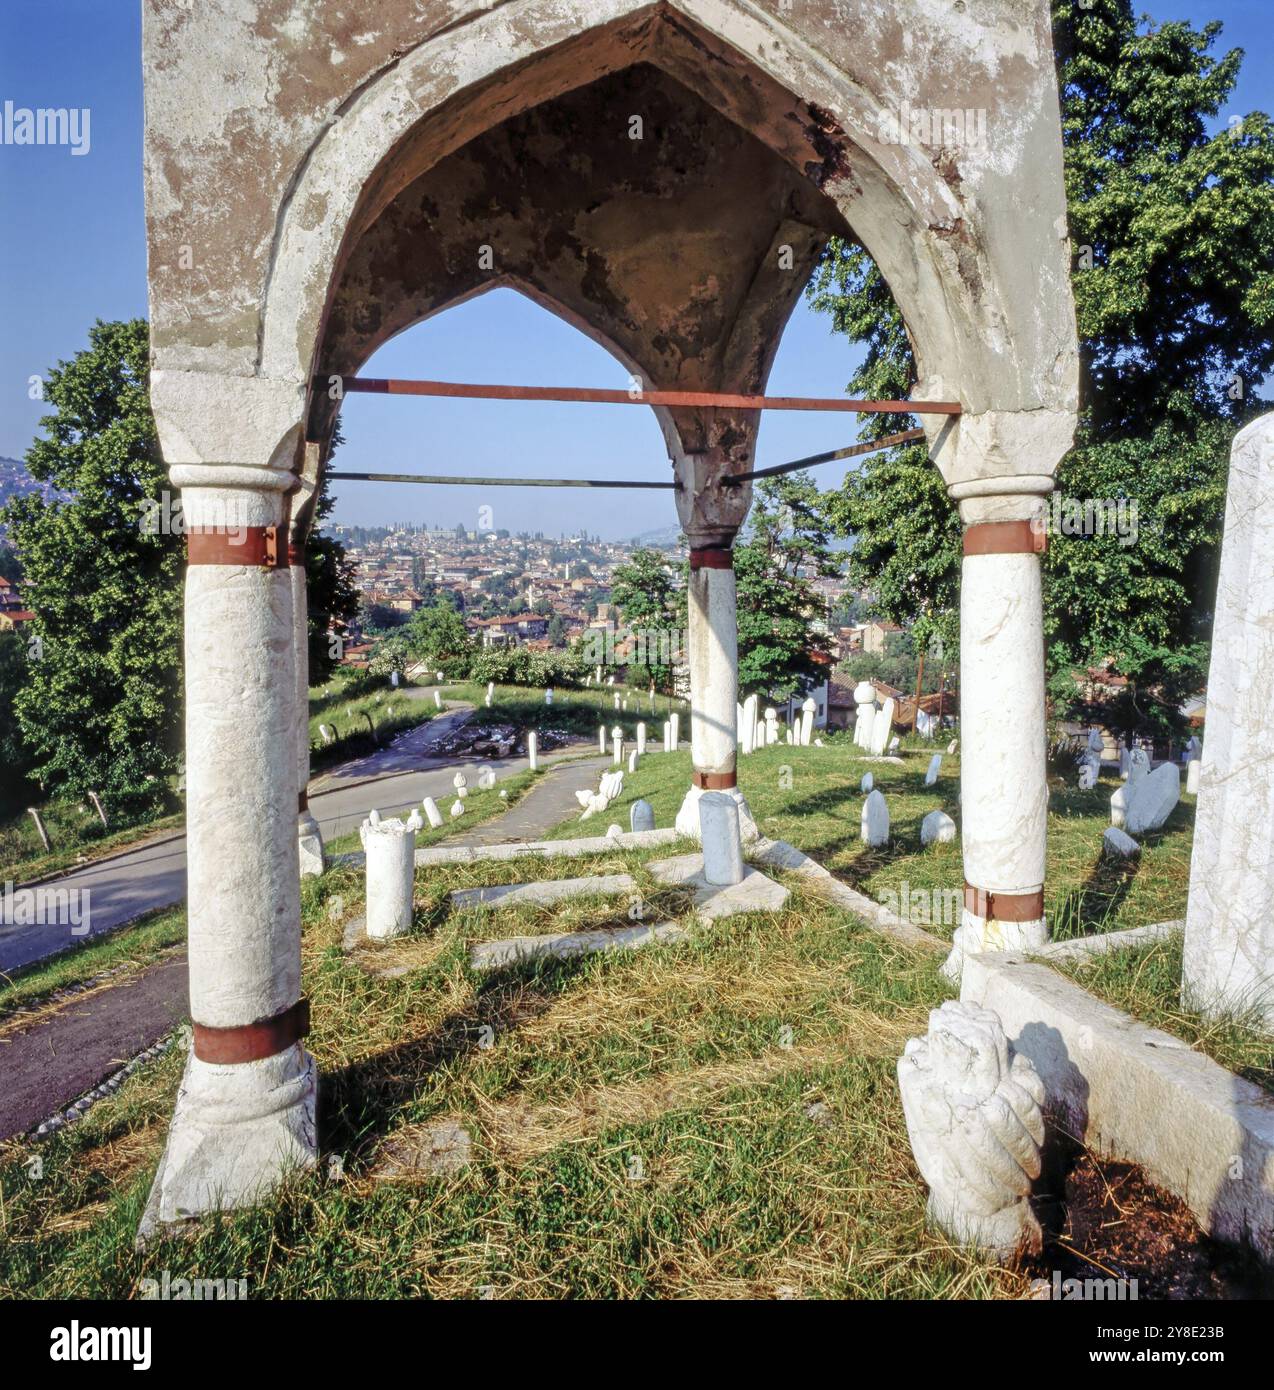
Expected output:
(666, 538)
(15, 481)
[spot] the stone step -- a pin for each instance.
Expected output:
(541, 894)
(514, 950)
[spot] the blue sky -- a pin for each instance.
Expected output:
(73, 249)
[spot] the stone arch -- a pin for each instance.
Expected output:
(972, 341)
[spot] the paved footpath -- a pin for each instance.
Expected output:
(68, 1051)
(122, 886)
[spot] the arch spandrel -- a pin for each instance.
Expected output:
(971, 240)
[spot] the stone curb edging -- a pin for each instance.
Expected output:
(82, 1105)
(778, 854)
(1085, 947)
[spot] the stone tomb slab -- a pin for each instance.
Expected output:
(515, 950)
(756, 892)
(542, 894)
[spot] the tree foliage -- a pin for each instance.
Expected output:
(651, 603)
(100, 706)
(783, 643)
(1173, 231)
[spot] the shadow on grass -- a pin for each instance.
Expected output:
(359, 1103)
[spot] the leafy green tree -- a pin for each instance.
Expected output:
(379, 617)
(783, 645)
(1173, 229)
(653, 608)
(14, 757)
(438, 636)
(332, 596)
(10, 568)
(100, 708)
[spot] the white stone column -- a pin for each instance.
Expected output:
(1004, 791)
(245, 1110)
(714, 684)
(1228, 964)
(308, 835)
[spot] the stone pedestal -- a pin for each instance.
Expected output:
(390, 848)
(1228, 964)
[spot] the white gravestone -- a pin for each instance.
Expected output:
(881, 727)
(533, 750)
(937, 828)
(808, 710)
(867, 783)
(1229, 938)
(935, 767)
(432, 813)
(722, 842)
(641, 739)
(874, 827)
(1117, 844)
(1153, 799)
(750, 714)
(865, 722)
(641, 816)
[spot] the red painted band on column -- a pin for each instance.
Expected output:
(712, 558)
(296, 555)
(257, 546)
(1006, 538)
(253, 1042)
(715, 781)
(1004, 907)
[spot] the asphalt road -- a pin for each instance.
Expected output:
(154, 875)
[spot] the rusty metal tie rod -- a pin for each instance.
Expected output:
(392, 386)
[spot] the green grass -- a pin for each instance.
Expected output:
(578, 711)
(1146, 982)
(718, 1119)
(364, 722)
(75, 834)
(811, 797)
(714, 1119)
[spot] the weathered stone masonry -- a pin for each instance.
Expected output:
(320, 176)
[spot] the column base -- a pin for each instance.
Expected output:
(687, 822)
(309, 843)
(977, 934)
(236, 1132)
